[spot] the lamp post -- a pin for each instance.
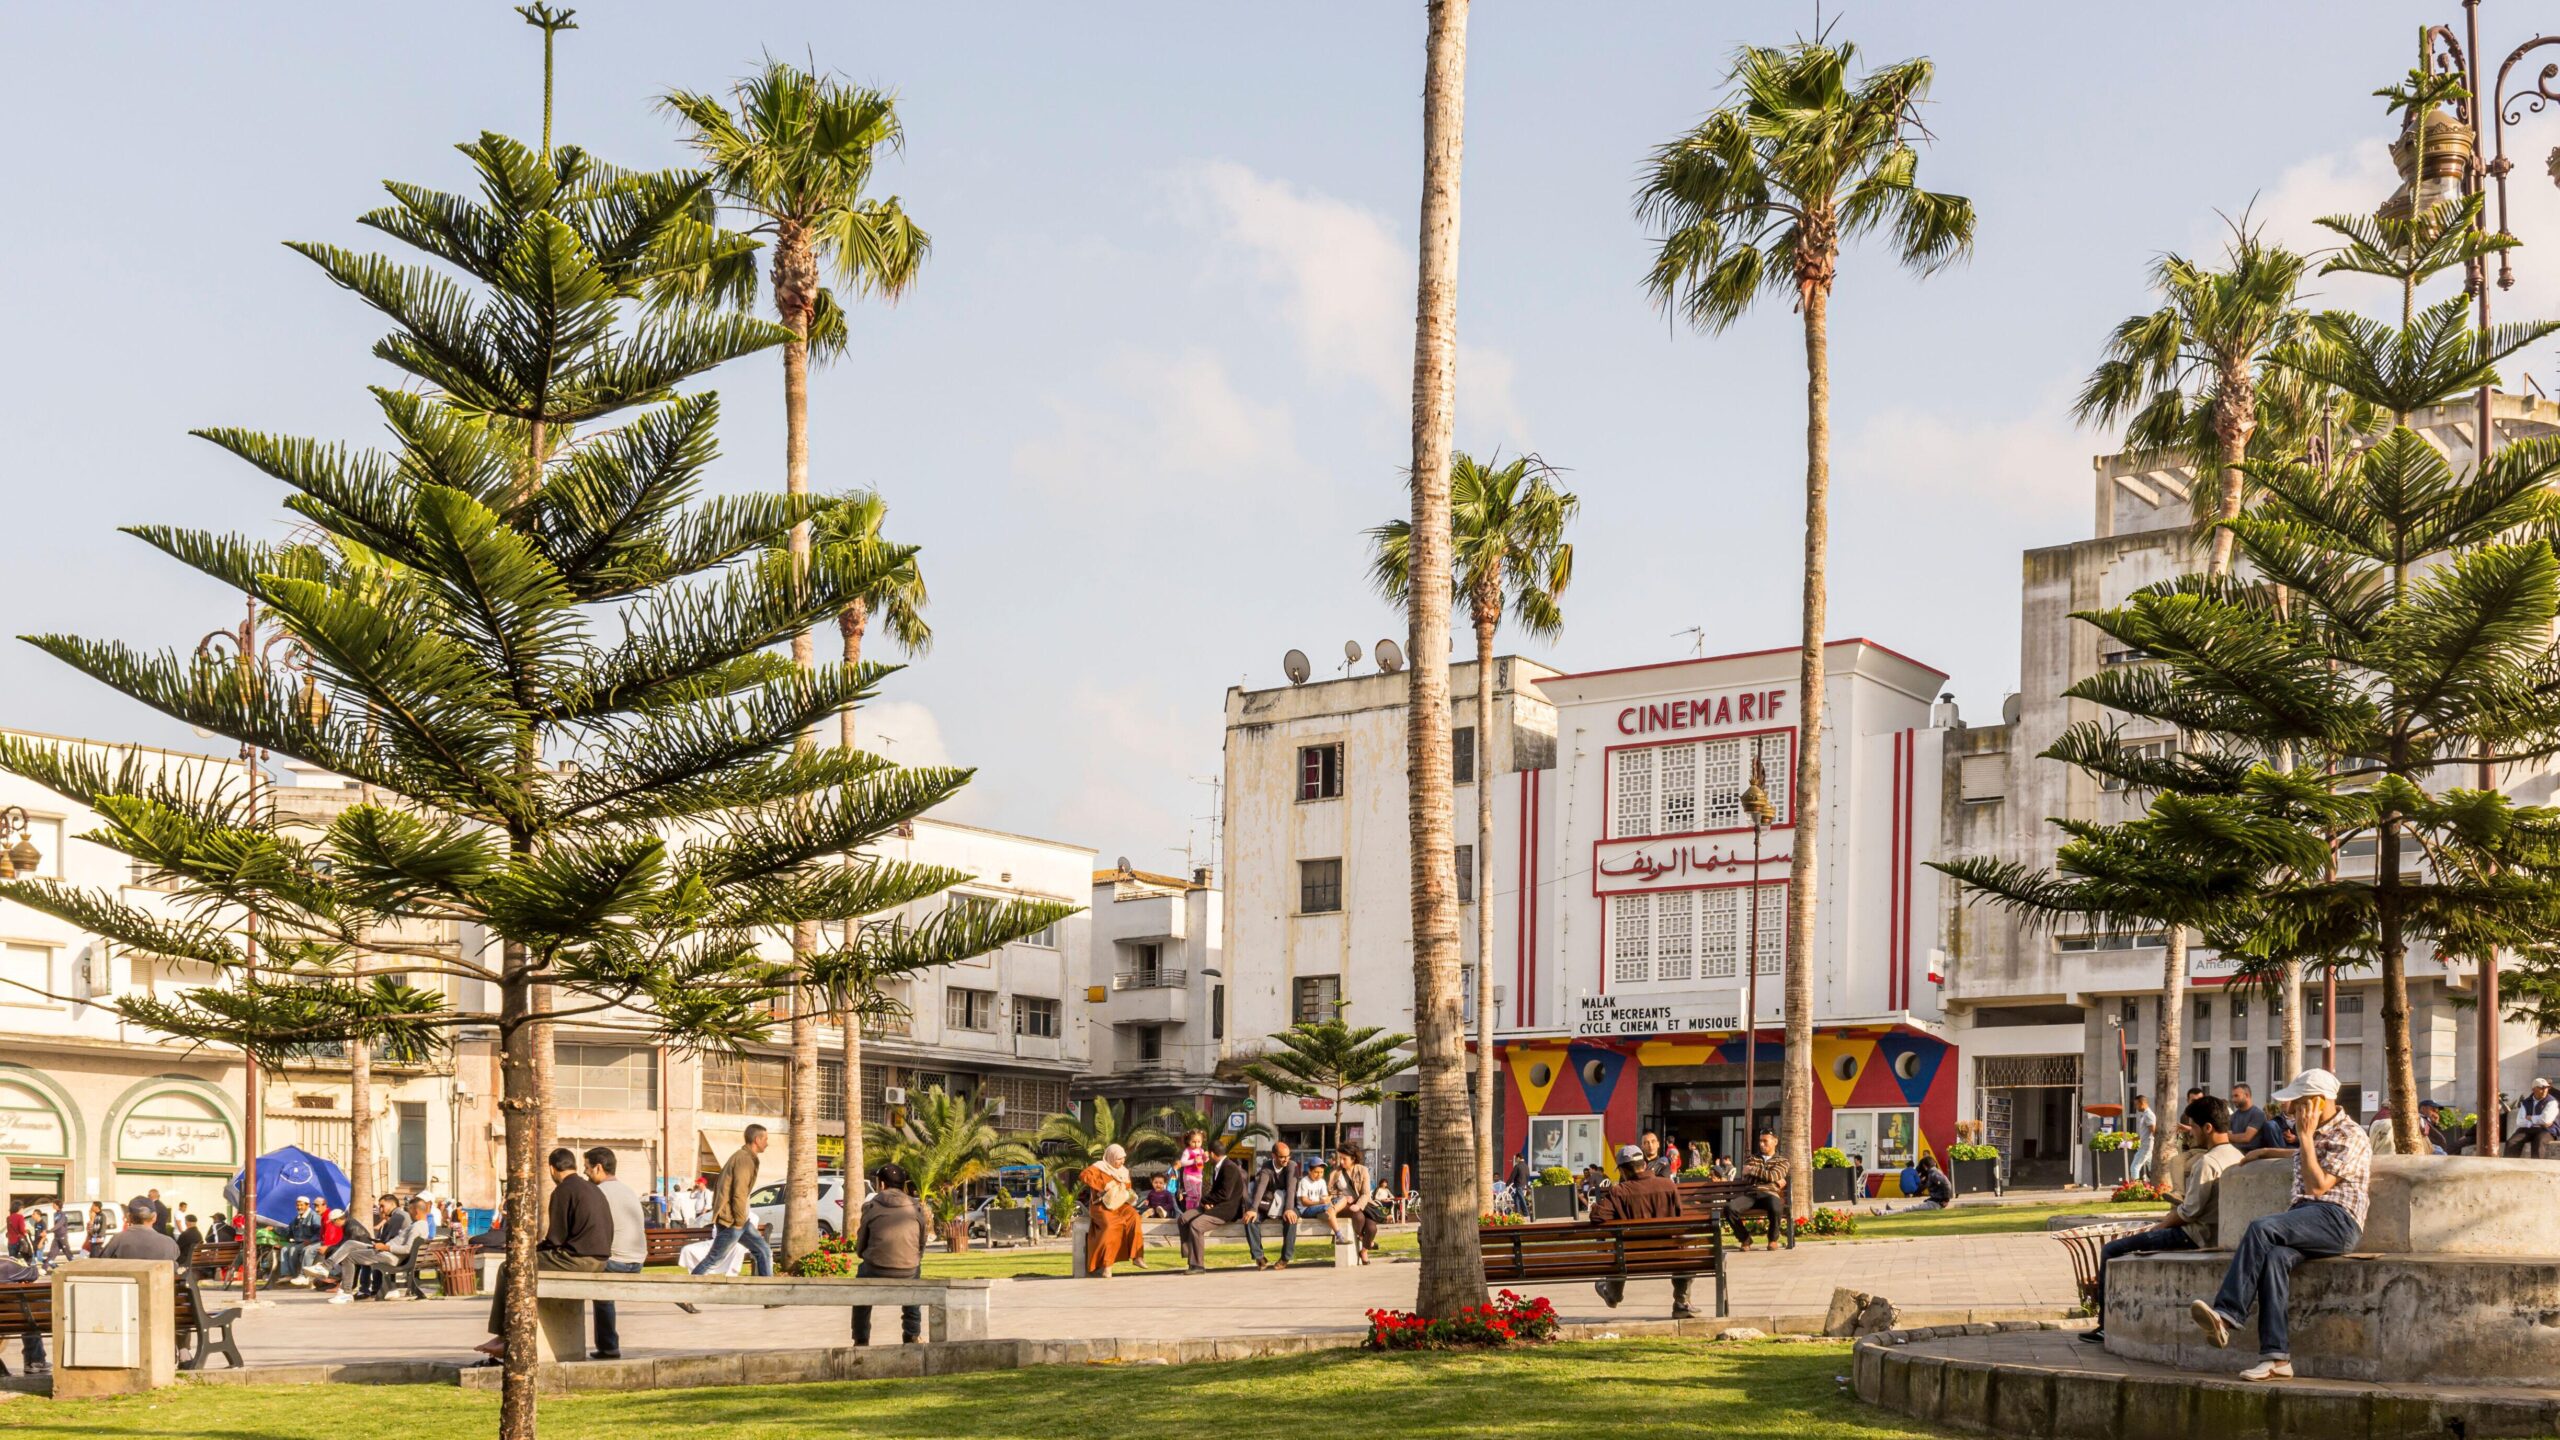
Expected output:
(1755, 803)
(2487, 161)
(253, 650)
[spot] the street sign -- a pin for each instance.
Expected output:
(1236, 1120)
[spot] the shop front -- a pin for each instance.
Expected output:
(174, 1136)
(1883, 1094)
(36, 1137)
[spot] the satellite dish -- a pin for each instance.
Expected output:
(1390, 658)
(1295, 666)
(1124, 864)
(2009, 710)
(1350, 652)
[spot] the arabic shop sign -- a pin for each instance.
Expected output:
(1682, 1012)
(1624, 866)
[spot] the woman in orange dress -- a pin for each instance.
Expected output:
(1111, 1214)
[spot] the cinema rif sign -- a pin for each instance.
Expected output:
(1686, 1012)
(1622, 867)
(1751, 707)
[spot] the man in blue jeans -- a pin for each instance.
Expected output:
(1274, 1185)
(630, 1245)
(2190, 1226)
(2332, 1173)
(733, 1216)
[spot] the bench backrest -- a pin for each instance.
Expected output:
(1567, 1249)
(29, 1306)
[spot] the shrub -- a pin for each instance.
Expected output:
(1830, 1157)
(1502, 1217)
(1828, 1221)
(834, 1256)
(2114, 1140)
(1555, 1175)
(1510, 1319)
(1963, 1151)
(1699, 1172)
(2140, 1190)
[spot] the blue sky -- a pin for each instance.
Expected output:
(1153, 383)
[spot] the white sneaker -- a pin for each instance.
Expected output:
(2274, 1368)
(2211, 1322)
(342, 1298)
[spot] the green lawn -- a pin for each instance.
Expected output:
(1635, 1388)
(1989, 1219)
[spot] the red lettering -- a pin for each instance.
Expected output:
(1769, 703)
(1623, 717)
(1724, 710)
(1657, 717)
(1747, 702)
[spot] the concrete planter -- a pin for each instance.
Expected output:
(1833, 1185)
(1974, 1177)
(1554, 1202)
(2112, 1167)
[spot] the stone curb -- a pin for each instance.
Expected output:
(2022, 1399)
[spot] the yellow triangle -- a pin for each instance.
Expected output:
(1525, 1065)
(1675, 1052)
(1828, 1052)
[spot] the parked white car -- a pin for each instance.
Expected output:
(765, 1205)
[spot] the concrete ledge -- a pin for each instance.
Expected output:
(2427, 1318)
(2021, 1385)
(2420, 1204)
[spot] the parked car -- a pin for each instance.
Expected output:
(765, 1205)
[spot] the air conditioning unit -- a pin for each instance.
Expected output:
(995, 1108)
(894, 1095)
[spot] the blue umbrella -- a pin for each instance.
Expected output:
(289, 1174)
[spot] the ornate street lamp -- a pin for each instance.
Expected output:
(1755, 803)
(23, 857)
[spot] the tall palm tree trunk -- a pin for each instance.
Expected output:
(1486, 617)
(850, 625)
(1804, 871)
(1452, 1269)
(795, 294)
(2166, 1053)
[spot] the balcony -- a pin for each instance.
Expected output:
(1157, 978)
(1151, 997)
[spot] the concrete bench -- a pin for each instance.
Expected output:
(958, 1309)
(1168, 1233)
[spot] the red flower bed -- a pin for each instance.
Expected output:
(2140, 1190)
(1509, 1319)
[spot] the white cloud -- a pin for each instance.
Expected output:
(1346, 278)
(2031, 469)
(902, 731)
(1163, 430)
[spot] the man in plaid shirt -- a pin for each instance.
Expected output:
(2331, 1175)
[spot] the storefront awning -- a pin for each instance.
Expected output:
(719, 1143)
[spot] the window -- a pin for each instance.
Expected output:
(2120, 940)
(745, 1084)
(26, 971)
(1466, 874)
(2275, 1064)
(1462, 755)
(2239, 1065)
(2204, 1018)
(2160, 749)
(969, 1009)
(1142, 965)
(1046, 937)
(1320, 772)
(1217, 1012)
(1314, 998)
(2200, 1069)
(976, 908)
(1150, 1042)
(605, 1077)
(831, 1089)
(2239, 1017)
(1036, 1016)
(1682, 935)
(1686, 789)
(1319, 886)
(1885, 1140)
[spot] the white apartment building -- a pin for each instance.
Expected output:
(1158, 992)
(2049, 1022)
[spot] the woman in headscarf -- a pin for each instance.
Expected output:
(1111, 1214)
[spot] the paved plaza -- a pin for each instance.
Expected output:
(2013, 1271)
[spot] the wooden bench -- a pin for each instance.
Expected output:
(667, 1242)
(1555, 1250)
(1168, 1233)
(1715, 1197)
(30, 1307)
(215, 1259)
(958, 1308)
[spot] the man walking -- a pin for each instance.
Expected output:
(2145, 1124)
(1221, 1203)
(1640, 1195)
(733, 1220)
(2190, 1226)
(889, 1245)
(2331, 1172)
(577, 1235)
(1274, 1194)
(629, 1250)
(2537, 1122)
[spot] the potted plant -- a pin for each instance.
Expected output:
(2113, 1152)
(1833, 1177)
(1973, 1167)
(1554, 1197)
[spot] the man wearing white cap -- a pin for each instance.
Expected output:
(2331, 1171)
(2537, 1121)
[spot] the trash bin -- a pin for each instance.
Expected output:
(455, 1272)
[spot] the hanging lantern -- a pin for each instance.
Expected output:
(315, 702)
(24, 857)
(2451, 149)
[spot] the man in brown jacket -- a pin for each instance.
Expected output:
(889, 1245)
(733, 1220)
(1640, 1195)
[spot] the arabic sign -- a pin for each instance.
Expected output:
(1681, 1012)
(1622, 866)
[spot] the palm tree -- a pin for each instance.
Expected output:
(1332, 1060)
(1452, 1276)
(898, 599)
(945, 1143)
(1758, 200)
(1223, 1139)
(797, 158)
(1507, 525)
(1068, 1143)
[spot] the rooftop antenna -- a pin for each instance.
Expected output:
(1697, 638)
(1295, 666)
(1350, 655)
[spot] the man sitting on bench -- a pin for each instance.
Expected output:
(1640, 1195)
(1766, 1173)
